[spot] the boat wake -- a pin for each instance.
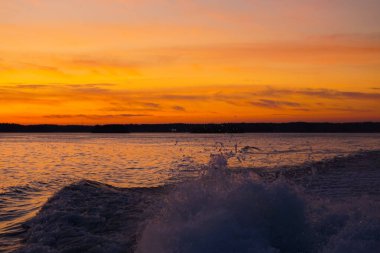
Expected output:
(329, 206)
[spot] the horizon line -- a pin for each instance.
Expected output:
(206, 123)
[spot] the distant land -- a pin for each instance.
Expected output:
(293, 127)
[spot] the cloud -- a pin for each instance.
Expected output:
(178, 108)
(184, 97)
(124, 104)
(151, 105)
(30, 86)
(105, 102)
(334, 94)
(94, 116)
(273, 104)
(232, 94)
(106, 63)
(321, 53)
(101, 87)
(322, 93)
(347, 109)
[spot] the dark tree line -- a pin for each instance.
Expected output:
(295, 127)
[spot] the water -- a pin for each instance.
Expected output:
(164, 193)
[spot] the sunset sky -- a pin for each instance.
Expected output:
(140, 61)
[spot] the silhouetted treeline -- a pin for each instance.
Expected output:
(110, 129)
(296, 127)
(44, 128)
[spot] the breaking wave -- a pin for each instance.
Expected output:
(329, 206)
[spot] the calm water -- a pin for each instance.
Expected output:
(35, 166)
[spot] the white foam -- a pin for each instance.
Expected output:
(221, 211)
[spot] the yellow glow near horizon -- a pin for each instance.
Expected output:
(124, 61)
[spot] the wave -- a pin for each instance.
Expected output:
(352, 175)
(311, 208)
(89, 217)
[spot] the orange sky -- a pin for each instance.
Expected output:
(140, 61)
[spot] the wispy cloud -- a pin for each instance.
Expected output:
(178, 108)
(322, 93)
(183, 97)
(97, 102)
(29, 86)
(205, 93)
(274, 104)
(94, 116)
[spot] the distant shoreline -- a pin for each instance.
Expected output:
(292, 127)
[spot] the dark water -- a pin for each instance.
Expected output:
(190, 193)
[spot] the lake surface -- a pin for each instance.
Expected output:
(35, 167)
